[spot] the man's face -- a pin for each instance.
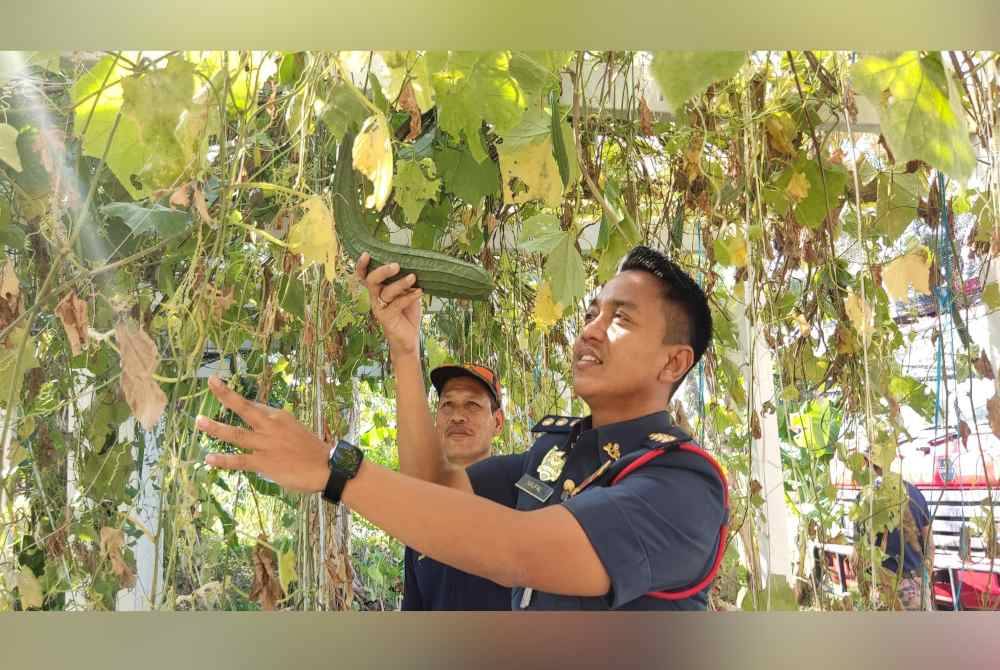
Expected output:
(620, 353)
(465, 421)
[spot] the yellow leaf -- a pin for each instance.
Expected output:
(908, 270)
(798, 187)
(372, 157)
(529, 172)
(139, 359)
(314, 235)
(30, 589)
(737, 251)
(546, 311)
(860, 314)
(286, 570)
(780, 129)
(804, 327)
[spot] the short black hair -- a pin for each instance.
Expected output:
(680, 290)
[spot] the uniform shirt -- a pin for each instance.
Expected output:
(432, 586)
(656, 529)
(912, 559)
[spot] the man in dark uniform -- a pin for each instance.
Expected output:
(615, 511)
(469, 415)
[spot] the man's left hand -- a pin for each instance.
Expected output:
(276, 446)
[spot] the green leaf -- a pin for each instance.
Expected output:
(105, 471)
(473, 87)
(8, 146)
(415, 185)
(342, 110)
(463, 176)
(813, 210)
(157, 219)
(682, 75)
(11, 234)
(431, 227)
(290, 69)
(541, 233)
(538, 72)
(535, 126)
(14, 362)
(412, 67)
(613, 240)
(920, 110)
(898, 197)
(566, 272)
(991, 295)
(153, 146)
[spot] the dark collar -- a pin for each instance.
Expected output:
(628, 435)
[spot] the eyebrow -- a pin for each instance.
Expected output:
(616, 303)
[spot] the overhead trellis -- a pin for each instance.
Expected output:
(167, 215)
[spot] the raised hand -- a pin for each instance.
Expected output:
(396, 306)
(277, 446)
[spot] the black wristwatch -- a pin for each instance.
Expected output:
(345, 460)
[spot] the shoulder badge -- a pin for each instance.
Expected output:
(555, 424)
(552, 465)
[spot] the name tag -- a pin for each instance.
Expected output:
(534, 488)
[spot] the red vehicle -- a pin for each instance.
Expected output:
(960, 482)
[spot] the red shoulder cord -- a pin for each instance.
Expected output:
(723, 530)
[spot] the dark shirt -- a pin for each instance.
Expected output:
(432, 586)
(657, 529)
(894, 548)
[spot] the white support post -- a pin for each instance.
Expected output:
(146, 511)
(777, 537)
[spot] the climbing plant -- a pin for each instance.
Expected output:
(168, 215)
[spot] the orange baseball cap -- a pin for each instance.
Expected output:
(442, 374)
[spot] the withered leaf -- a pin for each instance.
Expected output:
(112, 543)
(993, 410)
(755, 429)
(408, 103)
(266, 583)
(181, 197)
(964, 431)
(645, 117)
(139, 360)
(201, 205)
(983, 366)
(72, 312)
(10, 295)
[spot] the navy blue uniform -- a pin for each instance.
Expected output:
(656, 529)
(432, 586)
(913, 560)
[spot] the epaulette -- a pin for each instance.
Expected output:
(671, 435)
(555, 424)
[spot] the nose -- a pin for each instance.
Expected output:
(595, 330)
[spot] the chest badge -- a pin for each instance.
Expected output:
(552, 465)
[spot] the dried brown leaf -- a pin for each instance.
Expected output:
(964, 431)
(408, 103)
(993, 410)
(72, 312)
(983, 366)
(645, 117)
(755, 429)
(266, 583)
(139, 360)
(10, 289)
(201, 206)
(181, 197)
(112, 543)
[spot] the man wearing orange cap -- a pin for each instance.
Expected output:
(468, 417)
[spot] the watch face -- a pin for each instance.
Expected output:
(346, 458)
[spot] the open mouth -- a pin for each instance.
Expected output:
(586, 360)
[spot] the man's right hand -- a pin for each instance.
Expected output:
(396, 306)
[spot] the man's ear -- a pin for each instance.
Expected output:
(681, 358)
(498, 420)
